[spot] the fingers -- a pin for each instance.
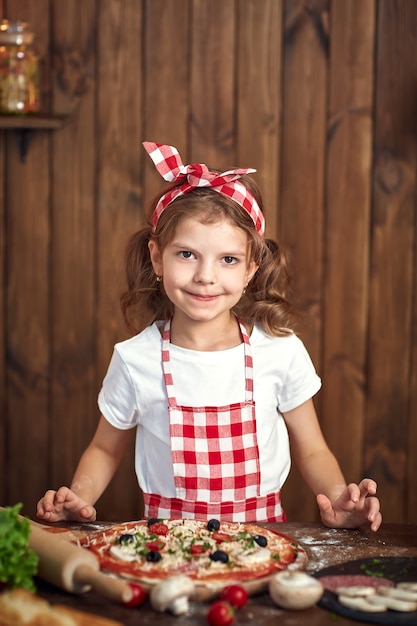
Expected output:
(327, 513)
(324, 503)
(376, 521)
(356, 505)
(372, 508)
(88, 514)
(46, 506)
(363, 495)
(64, 504)
(367, 487)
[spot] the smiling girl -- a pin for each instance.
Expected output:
(214, 380)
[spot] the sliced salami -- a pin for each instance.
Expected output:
(332, 582)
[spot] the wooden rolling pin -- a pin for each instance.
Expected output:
(74, 569)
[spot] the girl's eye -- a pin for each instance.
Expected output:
(230, 260)
(185, 254)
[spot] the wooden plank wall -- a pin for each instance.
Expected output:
(320, 96)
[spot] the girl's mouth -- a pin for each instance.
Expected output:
(203, 297)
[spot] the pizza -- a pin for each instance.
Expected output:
(211, 553)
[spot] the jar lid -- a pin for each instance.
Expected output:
(15, 32)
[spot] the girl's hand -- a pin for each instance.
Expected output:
(355, 506)
(64, 505)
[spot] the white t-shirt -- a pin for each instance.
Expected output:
(134, 395)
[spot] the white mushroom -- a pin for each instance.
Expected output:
(399, 593)
(172, 594)
(410, 586)
(295, 589)
(356, 591)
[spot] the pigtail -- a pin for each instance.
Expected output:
(265, 300)
(143, 301)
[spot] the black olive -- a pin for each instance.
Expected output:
(261, 540)
(153, 556)
(219, 555)
(126, 538)
(152, 520)
(213, 524)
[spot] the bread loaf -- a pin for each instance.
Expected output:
(19, 607)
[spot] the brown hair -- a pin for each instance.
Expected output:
(264, 301)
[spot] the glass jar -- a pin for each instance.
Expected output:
(19, 69)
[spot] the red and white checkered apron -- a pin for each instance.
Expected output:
(215, 457)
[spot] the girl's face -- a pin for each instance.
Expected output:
(205, 268)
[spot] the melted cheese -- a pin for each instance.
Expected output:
(122, 553)
(252, 557)
(242, 550)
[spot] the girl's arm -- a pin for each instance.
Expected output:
(340, 505)
(96, 468)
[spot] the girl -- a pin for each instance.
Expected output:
(216, 384)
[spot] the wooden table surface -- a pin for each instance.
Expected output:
(324, 547)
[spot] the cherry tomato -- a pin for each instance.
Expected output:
(236, 595)
(220, 613)
(199, 548)
(159, 529)
(155, 545)
(220, 537)
(138, 595)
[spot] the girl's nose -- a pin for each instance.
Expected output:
(205, 274)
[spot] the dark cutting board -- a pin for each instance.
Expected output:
(397, 569)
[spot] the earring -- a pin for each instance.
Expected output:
(158, 279)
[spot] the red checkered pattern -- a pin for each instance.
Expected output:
(168, 163)
(214, 449)
(262, 509)
(214, 452)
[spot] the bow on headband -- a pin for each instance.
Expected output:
(168, 163)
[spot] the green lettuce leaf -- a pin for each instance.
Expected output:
(18, 562)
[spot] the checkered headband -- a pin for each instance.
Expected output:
(168, 163)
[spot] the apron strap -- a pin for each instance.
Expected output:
(166, 364)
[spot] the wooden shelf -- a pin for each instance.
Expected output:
(33, 121)
(25, 124)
